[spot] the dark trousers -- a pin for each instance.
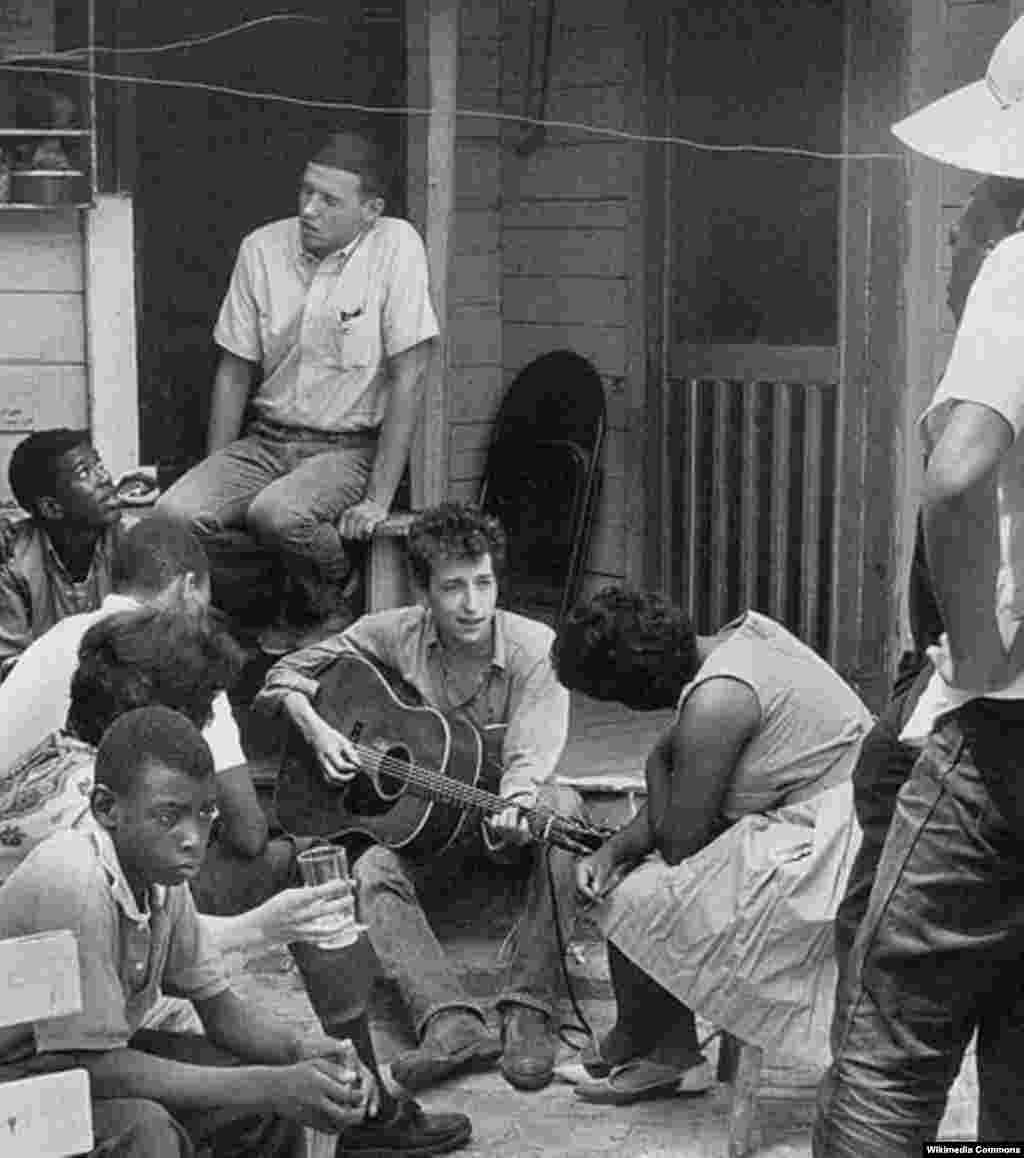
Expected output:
(937, 954)
(883, 767)
(339, 982)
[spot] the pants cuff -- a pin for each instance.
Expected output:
(447, 1007)
(529, 1000)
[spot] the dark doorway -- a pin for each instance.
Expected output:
(751, 278)
(210, 167)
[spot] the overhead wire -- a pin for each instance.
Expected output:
(44, 64)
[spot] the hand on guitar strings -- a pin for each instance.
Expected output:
(335, 753)
(511, 825)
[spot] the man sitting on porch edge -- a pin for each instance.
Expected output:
(333, 308)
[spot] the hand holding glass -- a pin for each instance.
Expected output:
(327, 863)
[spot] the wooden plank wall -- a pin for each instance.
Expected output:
(43, 379)
(952, 41)
(567, 259)
(474, 290)
(542, 241)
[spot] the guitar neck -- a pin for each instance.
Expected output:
(546, 824)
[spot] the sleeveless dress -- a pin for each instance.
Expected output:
(742, 930)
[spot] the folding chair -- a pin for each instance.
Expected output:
(542, 478)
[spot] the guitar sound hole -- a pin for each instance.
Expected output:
(390, 787)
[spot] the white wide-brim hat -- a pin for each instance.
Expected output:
(980, 126)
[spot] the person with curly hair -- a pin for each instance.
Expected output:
(467, 657)
(717, 899)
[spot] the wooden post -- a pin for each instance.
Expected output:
(743, 1126)
(110, 317)
(433, 46)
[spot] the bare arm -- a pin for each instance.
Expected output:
(962, 540)
(231, 386)
(406, 376)
(243, 820)
(320, 1093)
(717, 721)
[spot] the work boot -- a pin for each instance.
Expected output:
(455, 1040)
(530, 1048)
(405, 1131)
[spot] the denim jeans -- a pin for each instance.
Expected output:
(938, 952)
(883, 767)
(285, 489)
(409, 951)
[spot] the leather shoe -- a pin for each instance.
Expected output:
(407, 1131)
(528, 1057)
(453, 1042)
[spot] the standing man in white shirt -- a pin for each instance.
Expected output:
(937, 955)
(330, 311)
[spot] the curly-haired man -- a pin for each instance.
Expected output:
(465, 657)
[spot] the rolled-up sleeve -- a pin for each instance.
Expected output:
(15, 624)
(238, 324)
(408, 316)
(538, 726)
(384, 635)
(298, 672)
(194, 966)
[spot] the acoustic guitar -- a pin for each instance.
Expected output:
(422, 774)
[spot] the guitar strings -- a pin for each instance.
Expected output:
(467, 794)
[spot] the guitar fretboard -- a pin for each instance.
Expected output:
(437, 786)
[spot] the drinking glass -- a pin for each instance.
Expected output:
(317, 866)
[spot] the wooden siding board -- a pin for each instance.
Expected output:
(475, 280)
(973, 30)
(474, 335)
(574, 253)
(588, 170)
(40, 253)
(565, 300)
(584, 56)
(477, 392)
(467, 449)
(477, 231)
(605, 346)
(46, 395)
(42, 327)
(600, 106)
(480, 19)
(479, 65)
(605, 213)
(477, 175)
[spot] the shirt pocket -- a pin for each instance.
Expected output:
(353, 339)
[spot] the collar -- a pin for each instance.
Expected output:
(121, 891)
(309, 261)
(50, 551)
(498, 657)
(115, 602)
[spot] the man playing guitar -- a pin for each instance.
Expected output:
(466, 658)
